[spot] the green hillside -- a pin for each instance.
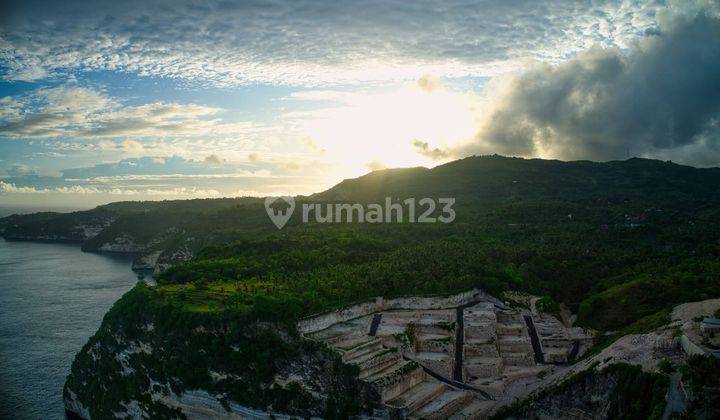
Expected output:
(619, 243)
(616, 241)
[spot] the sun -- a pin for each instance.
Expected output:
(372, 130)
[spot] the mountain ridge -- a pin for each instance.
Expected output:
(162, 233)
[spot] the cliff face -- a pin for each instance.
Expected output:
(152, 360)
(161, 234)
(157, 246)
(589, 397)
(617, 391)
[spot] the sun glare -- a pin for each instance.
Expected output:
(374, 130)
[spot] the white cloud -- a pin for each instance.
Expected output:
(375, 165)
(6, 187)
(20, 169)
(84, 112)
(309, 42)
(124, 145)
(165, 177)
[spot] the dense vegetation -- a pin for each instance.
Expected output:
(619, 243)
(704, 386)
(47, 225)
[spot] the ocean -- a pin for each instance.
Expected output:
(52, 299)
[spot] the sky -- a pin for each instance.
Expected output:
(136, 100)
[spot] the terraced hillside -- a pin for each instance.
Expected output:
(445, 357)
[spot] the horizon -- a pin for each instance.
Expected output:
(29, 209)
(104, 103)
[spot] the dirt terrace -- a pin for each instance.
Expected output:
(458, 361)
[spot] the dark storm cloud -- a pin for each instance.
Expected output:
(662, 99)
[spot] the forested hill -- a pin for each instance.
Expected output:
(494, 179)
(620, 242)
(480, 182)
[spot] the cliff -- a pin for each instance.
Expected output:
(152, 359)
(616, 391)
(159, 234)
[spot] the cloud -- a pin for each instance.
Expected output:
(20, 170)
(662, 99)
(429, 83)
(291, 166)
(11, 188)
(27, 73)
(6, 187)
(305, 42)
(174, 177)
(125, 145)
(156, 119)
(322, 96)
(213, 161)
(375, 165)
(156, 178)
(53, 111)
(10, 107)
(84, 112)
(424, 149)
(147, 165)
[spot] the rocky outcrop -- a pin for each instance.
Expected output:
(73, 407)
(612, 392)
(199, 404)
(146, 262)
(170, 257)
(157, 246)
(121, 244)
(586, 398)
